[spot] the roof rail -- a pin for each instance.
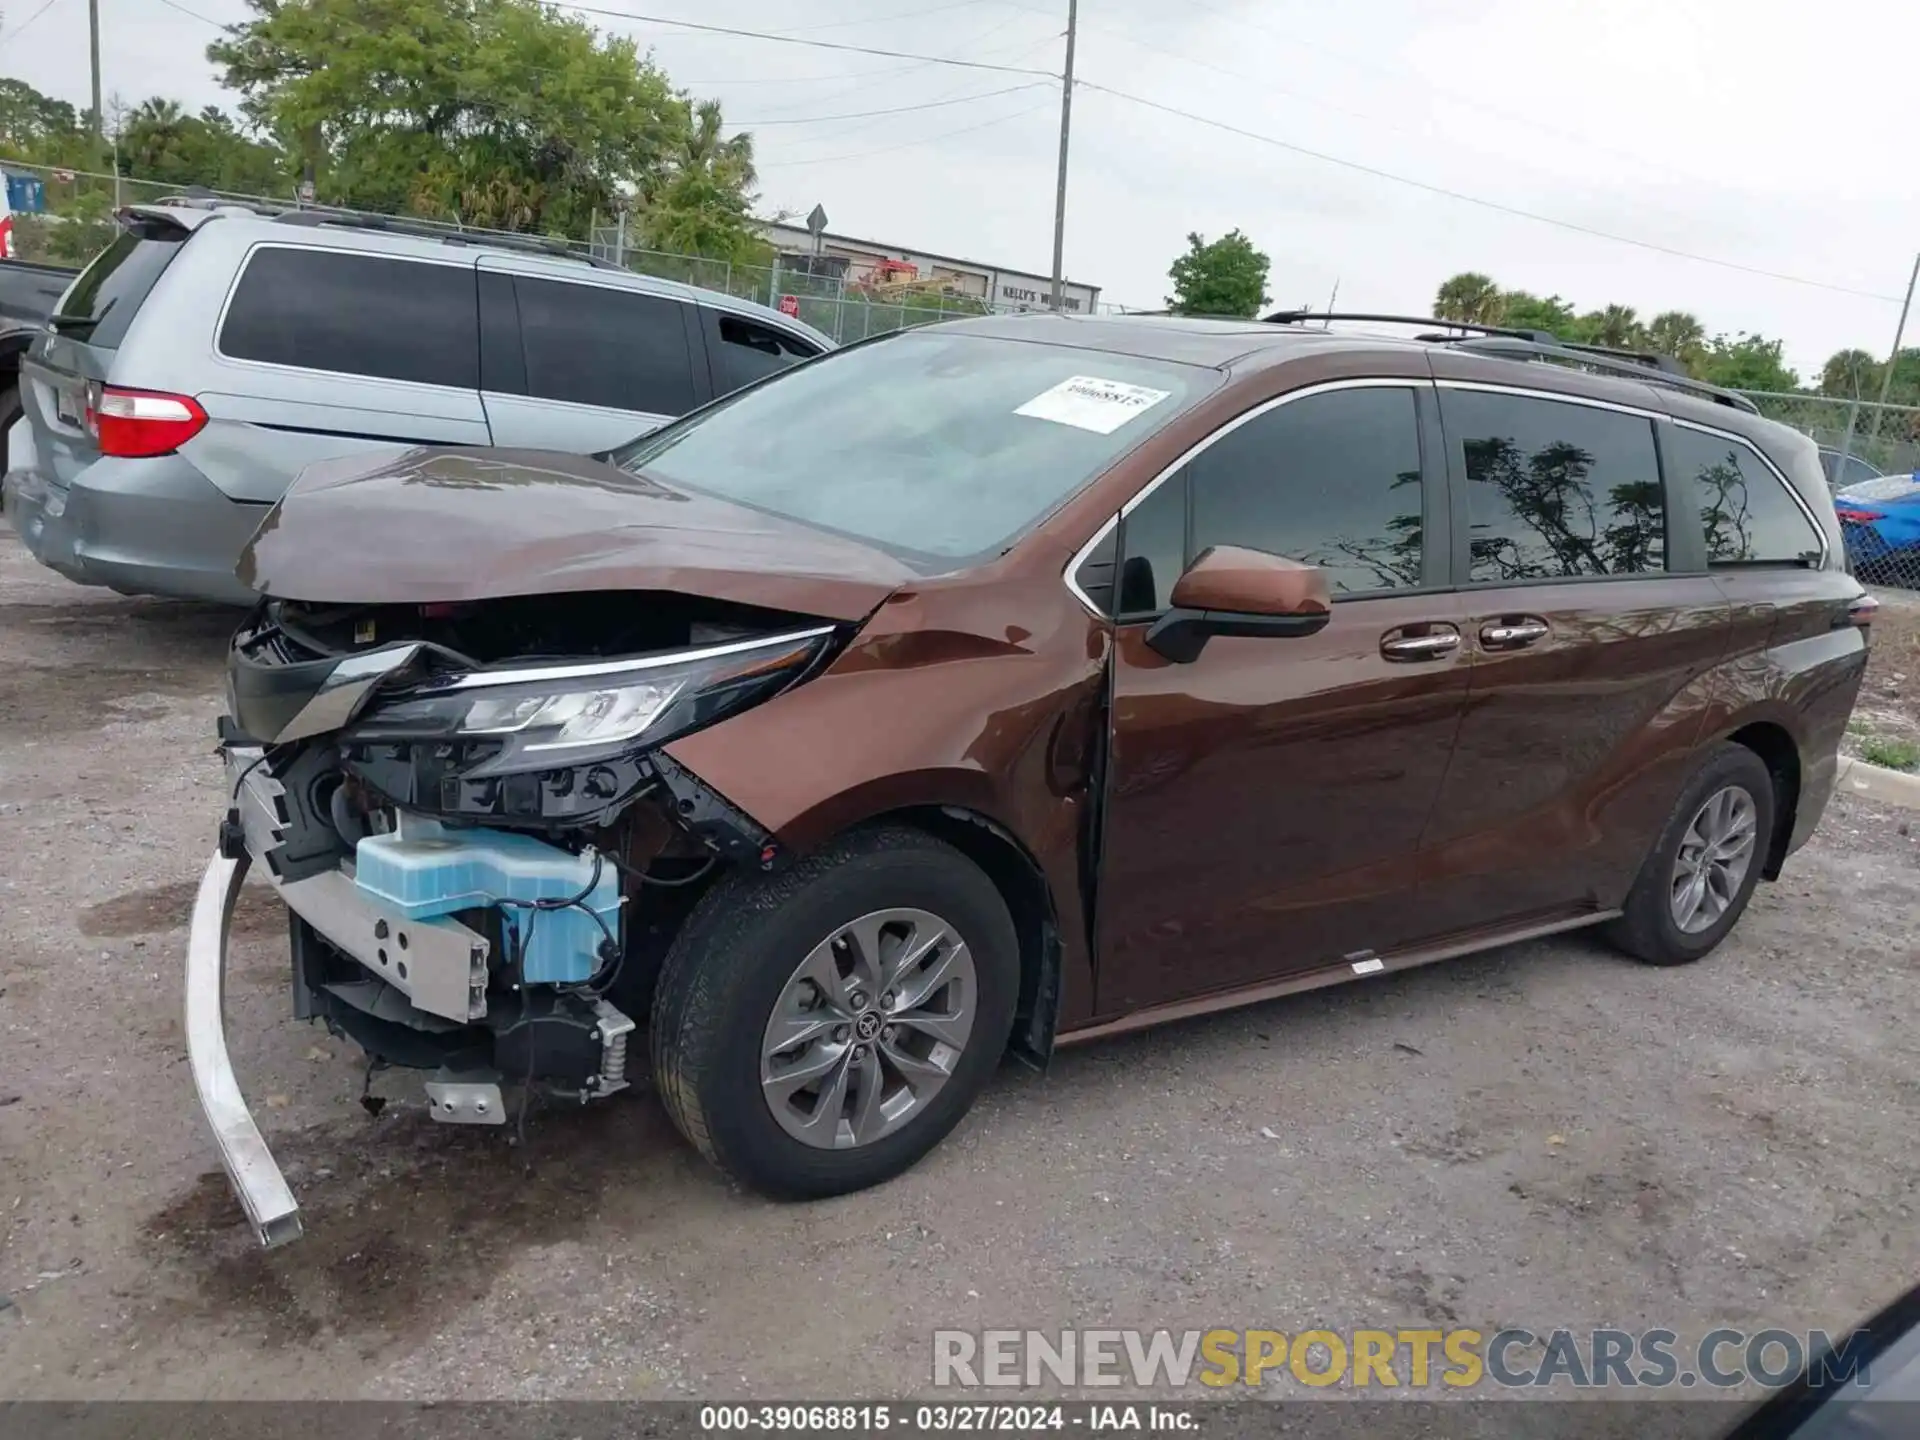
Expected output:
(1615, 362)
(1298, 317)
(427, 230)
(1508, 343)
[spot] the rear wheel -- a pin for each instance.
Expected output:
(819, 1031)
(1701, 871)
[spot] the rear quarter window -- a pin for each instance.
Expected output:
(100, 305)
(1746, 512)
(376, 316)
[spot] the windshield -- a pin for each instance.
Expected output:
(939, 446)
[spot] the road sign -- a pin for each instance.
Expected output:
(816, 219)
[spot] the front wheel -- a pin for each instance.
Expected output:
(819, 1031)
(1700, 874)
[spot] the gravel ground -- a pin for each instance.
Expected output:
(1543, 1136)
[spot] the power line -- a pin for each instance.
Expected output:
(33, 17)
(1495, 205)
(861, 89)
(906, 144)
(204, 20)
(895, 110)
(1458, 97)
(813, 44)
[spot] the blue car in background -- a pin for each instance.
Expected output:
(1880, 521)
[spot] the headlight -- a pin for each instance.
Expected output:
(530, 718)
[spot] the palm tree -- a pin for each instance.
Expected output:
(1619, 328)
(1849, 374)
(1470, 297)
(703, 149)
(1676, 333)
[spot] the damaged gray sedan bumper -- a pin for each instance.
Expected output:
(256, 1178)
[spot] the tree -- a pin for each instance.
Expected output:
(1522, 311)
(1225, 277)
(1850, 374)
(1676, 333)
(1748, 362)
(701, 201)
(497, 113)
(1470, 297)
(1617, 327)
(159, 141)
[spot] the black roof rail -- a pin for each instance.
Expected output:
(1509, 343)
(1299, 317)
(1615, 362)
(426, 230)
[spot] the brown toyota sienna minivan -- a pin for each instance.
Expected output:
(1006, 683)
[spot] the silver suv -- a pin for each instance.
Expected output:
(208, 355)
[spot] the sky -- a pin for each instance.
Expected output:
(1706, 127)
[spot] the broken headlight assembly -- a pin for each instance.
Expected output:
(560, 741)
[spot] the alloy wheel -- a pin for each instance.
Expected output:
(868, 1028)
(1715, 853)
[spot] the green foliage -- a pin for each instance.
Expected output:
(497, 113)
(1470, 297)
(699, 201)
(1747, 362)
(1743, 362)
(159, 141)
(1676, 333)
(1894, 754)
(1225, 277)
(73, 236)
(1530, 312)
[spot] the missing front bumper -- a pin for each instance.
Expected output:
(256, 1177)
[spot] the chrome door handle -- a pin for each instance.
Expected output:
(1512, 634)
(1420, 647)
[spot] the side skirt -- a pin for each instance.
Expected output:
(1337, 974)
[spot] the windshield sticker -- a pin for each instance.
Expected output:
(1089, 403)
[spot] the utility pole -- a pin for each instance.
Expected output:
(1066, 123)
(1899, 333)
(93, 47)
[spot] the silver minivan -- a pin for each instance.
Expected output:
(209, 354)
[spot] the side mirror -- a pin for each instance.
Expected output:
(1231, 591)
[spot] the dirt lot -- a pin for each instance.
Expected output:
(1544, 1136)
(1888, 711)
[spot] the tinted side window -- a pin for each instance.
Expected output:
(594, 345)
(100, 305)
(741, 351)
(1333, 480)
(1153, 544)
(1746, 512)
(1556, 490)
(357, 314)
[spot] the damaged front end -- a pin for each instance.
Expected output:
(483, 851)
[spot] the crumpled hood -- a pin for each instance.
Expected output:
(436, 525)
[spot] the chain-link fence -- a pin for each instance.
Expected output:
(1872, 458)
(814, 288)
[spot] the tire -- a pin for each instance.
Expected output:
(734, 968)
(1649, 929)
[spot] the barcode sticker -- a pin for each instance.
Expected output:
(1088, 402)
